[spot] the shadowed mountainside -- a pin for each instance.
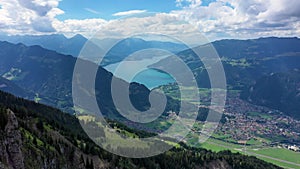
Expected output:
(38, 136)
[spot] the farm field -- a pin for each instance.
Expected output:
(279, 156)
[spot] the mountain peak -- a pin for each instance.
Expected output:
(78, 36)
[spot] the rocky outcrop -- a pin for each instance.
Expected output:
(11, 156)
(218, 164)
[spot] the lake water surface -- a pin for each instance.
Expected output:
(137, 71)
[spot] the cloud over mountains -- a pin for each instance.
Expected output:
(217, 19)
(235, 18)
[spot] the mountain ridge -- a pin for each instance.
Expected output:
(57, 42)
(244, 61)
(49, 75)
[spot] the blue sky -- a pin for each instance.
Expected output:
(82, 9)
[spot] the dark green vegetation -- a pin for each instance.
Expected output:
(3, 120)
(279, 91)
(52, 139)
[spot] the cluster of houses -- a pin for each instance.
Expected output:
(293, 148)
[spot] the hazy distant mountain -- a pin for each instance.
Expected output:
(257, 48)
(128, 46)
(72, 46)
(56, 42)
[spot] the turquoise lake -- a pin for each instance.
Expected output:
(137, 71)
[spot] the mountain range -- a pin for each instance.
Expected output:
(42, 73)
(47, 75)
(245, 62)
(257, 48)
(120, 49)
(265, 71)
(56, 42)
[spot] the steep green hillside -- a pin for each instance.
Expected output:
(246, 62)
(48, 75)
(37, 136)
(280, 91)
(10, 87)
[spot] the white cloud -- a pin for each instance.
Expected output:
(28, 17)
(243, 19)
(131, 12)
(189, 3)
(86, 27)
(160, 23)
(91, 10)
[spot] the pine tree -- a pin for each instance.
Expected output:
(92, 164)
(34, 141)
(40, 125)
(87, 163)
